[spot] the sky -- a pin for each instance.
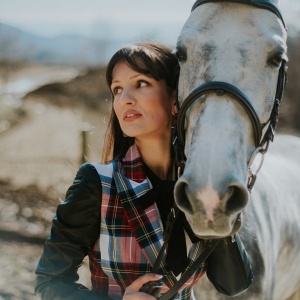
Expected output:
(97, 18)
(129, 19)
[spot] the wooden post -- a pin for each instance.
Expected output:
(84, 146)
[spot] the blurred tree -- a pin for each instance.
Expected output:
(289, 115)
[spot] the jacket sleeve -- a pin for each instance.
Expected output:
(75, 229)
(229, 268)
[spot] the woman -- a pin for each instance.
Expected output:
(116, 212)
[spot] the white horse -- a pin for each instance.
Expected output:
(244, 46)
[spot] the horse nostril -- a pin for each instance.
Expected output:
(237, 200)
(181, 198)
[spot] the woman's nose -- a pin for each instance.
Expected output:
(127, 97)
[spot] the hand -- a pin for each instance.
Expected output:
(132, 291)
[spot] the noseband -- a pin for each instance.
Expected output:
(223, 88)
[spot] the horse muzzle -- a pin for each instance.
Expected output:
(212, 213)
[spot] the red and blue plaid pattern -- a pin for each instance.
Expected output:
(130, 237)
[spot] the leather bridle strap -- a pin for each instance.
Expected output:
(282, 80)
(263, 4)
(219, 88)
(171, 219)
(209, 246)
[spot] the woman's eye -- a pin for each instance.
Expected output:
(117, 90)
(142, 83)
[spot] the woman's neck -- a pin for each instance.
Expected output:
(156, 155)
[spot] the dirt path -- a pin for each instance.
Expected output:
(46, 148)
(18, 261)
(47, 139)
(38, 161)
(25, 217)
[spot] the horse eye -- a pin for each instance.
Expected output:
(276, 61)
(181, 54)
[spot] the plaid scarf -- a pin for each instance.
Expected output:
(130, 236)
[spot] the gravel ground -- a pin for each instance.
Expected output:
(39, 158)
(25, 218)
(18, 261)
(35, 173)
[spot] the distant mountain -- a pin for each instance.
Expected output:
(19, 45)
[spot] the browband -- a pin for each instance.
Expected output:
(264, 4)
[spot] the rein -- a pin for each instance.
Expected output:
(209, 246)
(190, 271)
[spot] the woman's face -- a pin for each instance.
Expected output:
(143, 105)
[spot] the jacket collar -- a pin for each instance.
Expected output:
(132, 183)
(133, 165)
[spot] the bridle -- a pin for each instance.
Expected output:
(263, 4)
(261, 141)
(220, 88)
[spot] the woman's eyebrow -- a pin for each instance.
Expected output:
(132, 77)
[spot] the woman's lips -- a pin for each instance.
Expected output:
(131, 115)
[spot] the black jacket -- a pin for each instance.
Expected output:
(75, 228)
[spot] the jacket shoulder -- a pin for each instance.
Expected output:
(102, 169)
(94, 171)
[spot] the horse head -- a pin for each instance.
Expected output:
(230, 55)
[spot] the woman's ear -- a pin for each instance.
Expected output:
(174, 109)
(174, 106)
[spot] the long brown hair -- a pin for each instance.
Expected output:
(152, 59)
